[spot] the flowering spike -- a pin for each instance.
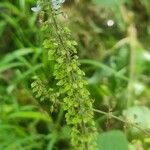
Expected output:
(70, 87)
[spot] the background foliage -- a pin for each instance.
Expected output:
(114, 51)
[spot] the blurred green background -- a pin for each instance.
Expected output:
(114, 49)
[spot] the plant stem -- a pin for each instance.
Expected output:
(131, 68)
(121, 120)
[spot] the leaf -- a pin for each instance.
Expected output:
(15, 55)
(102, 66)
(30, 115)
(113, 140)
(138, 115)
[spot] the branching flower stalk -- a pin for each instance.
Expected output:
(71, 86)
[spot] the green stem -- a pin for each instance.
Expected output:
(121, 120)
(131, 67)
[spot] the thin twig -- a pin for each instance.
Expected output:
(121, 120)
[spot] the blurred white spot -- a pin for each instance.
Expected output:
(138, 88)
(146, 55)
(110, 22)
(36, 9)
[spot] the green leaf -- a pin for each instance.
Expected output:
(30, 115)
(139, 115)
(113, 140)
(102, 66)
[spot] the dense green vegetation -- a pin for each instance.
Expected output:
(113, 44)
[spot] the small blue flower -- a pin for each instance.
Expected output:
(36, 9)
(56, 4)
